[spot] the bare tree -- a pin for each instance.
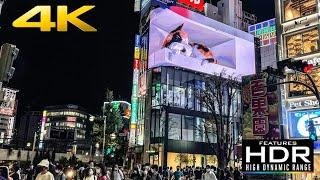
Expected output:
(219, 97)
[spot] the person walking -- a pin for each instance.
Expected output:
(102, 173)
(236, 174)
(16, 174)
(209, 175)
(136, 173)
(166, 173)
(178, 174)
(30, 172)
(89, 174)
(117, 173)
(44, 173)
(59, 173)
(198, 173)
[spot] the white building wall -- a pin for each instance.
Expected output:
(268, 56)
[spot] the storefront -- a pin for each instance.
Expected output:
(299, 111)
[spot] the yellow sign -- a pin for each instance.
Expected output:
(136, 53)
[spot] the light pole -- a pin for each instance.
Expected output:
(104, 137)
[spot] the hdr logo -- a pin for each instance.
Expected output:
(277, 156)
(195, 4)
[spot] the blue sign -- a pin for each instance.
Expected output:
(164, 3)
(137, 44)
(298, 123)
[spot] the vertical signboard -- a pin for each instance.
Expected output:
(43, 123)
(135, 92)
(260, 107)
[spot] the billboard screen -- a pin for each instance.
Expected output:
(7, 107)
(195, 42)
(265, 31)
(298, 120)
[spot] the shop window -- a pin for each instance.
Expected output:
(298, 8)
(177, 77)
(164, 75)
(157, 123)
(153, 114)
(170, 73)
(174, 126)
(300, 90)
(302, 43)
(164, 95)
(170, 95)
(190, 95)
(187, 128)
(199, 133)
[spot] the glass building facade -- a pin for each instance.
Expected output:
(177, 120)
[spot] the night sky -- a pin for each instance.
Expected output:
(75, 67)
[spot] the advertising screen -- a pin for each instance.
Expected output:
(195, 42)
(7, 107)
(298, 123)
(265, 31)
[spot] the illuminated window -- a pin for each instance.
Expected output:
(302, 43)
(298, 8)
(299, 90)
(175, 126)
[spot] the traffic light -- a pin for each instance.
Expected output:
(312, 131)
(8, 54)
(298, 65)
(1, 4)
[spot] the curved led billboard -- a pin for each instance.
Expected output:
(183, 38)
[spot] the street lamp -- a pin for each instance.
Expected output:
(113, 136)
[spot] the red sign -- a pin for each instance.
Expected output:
(259, 105)
(195, 4)
(136, 64)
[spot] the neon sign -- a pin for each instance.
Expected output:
(195, 4)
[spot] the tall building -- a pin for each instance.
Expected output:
(298, 39)
(168, 71)
(8, 115)
(65, 128)
(230, 12)
(29, 128)
(266, 33)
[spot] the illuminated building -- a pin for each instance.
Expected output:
(298, 38)
(165, 110)
(8, 115)
(65, 128)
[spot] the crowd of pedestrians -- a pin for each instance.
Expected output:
(46, 170)
(154, 172)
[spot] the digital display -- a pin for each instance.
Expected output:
(195, 42)
(298, 123)
(265, 31)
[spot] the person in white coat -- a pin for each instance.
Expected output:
(209, 174)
